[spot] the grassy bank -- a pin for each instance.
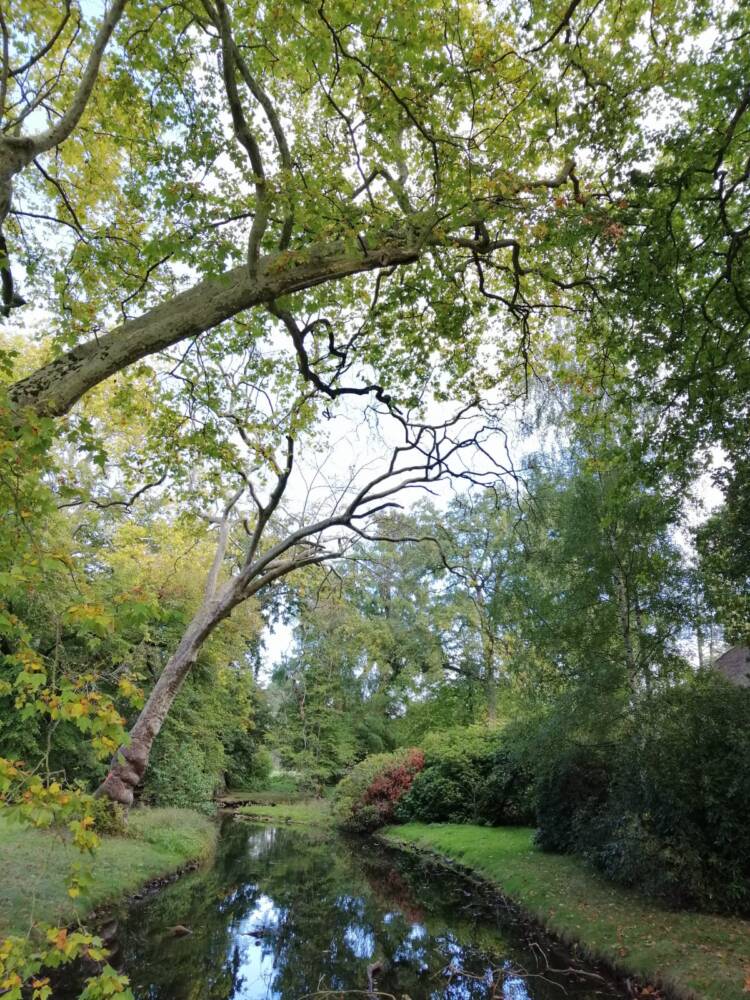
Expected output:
(261, 798)
(691, 954)
(35, 865)
(312, 812)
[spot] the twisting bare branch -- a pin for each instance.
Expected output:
(560, 26)
(225, 524)
(298, 335)
(266, 511)
(104, 504)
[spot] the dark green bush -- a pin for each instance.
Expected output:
(437, 795)
(570, 793)
(676, 821)
(471, 775)
(666, 809)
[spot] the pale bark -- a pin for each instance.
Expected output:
(130, 762)
(53, 389)
(490, 687)
(623, 607)
(62, 128)
(488, 672)
(17, 151)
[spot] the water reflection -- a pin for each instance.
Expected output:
(284, 914)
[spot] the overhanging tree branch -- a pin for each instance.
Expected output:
(53, 389)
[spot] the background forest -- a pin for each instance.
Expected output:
(548, 645)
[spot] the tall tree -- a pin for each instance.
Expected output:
(279, 542)
(478, 544)
(723, 543)
(601, 590)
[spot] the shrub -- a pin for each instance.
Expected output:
(366, 798)
(248, 767)
(676, 817)
(569, 794)
(471, 775)
(185, 775)
(282, 783)
(665, 809)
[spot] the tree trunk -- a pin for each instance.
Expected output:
(130, 762)
(623, 607)
(490, 687)
(489, 676)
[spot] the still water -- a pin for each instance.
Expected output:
(285, 913)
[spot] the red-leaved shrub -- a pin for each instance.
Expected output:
(367, 796)
(391, 784)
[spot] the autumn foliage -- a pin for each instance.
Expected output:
(367, 797)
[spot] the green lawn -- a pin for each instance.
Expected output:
(694, 954)
(35, 865)
(315, 812)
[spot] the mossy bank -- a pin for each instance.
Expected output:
(311, 812)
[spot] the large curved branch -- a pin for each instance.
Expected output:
(53, 389)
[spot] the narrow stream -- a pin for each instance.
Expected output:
(292, 912)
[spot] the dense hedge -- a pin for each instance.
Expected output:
(570, 793)
(665, 807)
(367, 797)
(471, 775)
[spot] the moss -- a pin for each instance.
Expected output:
(35, 865)
(690, 954)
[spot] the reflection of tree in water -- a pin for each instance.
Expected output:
(390, 888)
(203, 965)
(284, 913)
